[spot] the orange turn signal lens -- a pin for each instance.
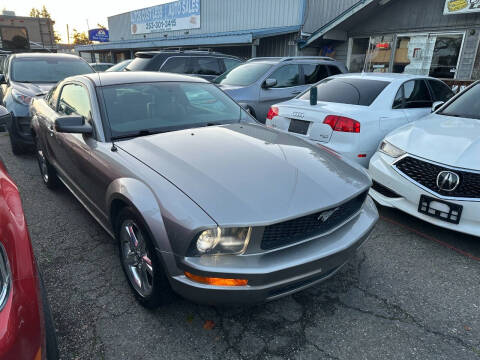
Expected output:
(216, 281)
(38, 356)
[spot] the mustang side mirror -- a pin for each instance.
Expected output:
(72, 124)
(436, 105)
(270, 83)
(313, 95)
(5, 118)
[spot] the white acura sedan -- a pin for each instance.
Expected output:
(352, 113)
(431, 169)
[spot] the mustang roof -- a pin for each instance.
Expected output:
(122, 77)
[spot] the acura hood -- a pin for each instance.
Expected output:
(32, 89)
(447, 140)
(243, 174)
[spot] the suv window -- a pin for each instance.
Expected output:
(348, 91)
(205, 66)
(74, 100)
(243, 75)
(178, 65)
(286, 76)
(441, 91)
(314, 73)
(416, 94)
(231, 63)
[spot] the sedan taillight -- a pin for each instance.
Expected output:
(272, 112)
(342, 124)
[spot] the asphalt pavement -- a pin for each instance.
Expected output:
(412, 292)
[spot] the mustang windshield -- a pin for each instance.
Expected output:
(47, 70)
(466, 105)
(146, 108)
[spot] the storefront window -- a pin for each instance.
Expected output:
(476, 68)
(413, 54)
(379, 54)
(358, 54)
(436, 55)
(445, 56)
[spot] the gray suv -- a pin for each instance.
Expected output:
(262, 82)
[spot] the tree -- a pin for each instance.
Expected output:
(100, 26)
(43, 13)
(80, 38)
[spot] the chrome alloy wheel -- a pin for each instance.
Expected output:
(42, 163)
(136, 259)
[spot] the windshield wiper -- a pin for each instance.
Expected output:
(137, 134)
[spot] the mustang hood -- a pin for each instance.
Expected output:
(447, 140)
(243, 174)
(33, 89)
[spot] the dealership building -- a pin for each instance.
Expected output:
(429, 37)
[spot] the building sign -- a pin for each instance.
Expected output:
(98, 35)
(178, 15)
(461, 6)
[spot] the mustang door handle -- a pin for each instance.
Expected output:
(296, 92)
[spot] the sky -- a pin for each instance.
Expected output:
(77, 13)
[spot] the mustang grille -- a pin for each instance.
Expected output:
(426, 174)
(289, 232)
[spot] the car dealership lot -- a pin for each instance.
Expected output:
(406, 295)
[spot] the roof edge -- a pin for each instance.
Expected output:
(336, 21)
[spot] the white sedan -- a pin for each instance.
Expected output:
(352, 113)
(430, 169)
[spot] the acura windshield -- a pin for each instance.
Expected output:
(47, 70)
(145, 108)
(466, 105)
(243, 75)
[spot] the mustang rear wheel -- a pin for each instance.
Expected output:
(139, 261)
(49, 175)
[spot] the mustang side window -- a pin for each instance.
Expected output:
(74, 100)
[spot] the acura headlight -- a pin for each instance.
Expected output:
(5, 277)
(21, 97)
(390, 150)
(223, 241)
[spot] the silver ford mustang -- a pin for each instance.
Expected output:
(202, 198)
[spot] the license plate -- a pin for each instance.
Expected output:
(440, 209)
(299, 126)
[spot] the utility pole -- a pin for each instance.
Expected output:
(68, 35)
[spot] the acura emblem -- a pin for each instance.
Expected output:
(324, 216)
(447, 181)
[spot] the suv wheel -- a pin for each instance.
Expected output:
(139, 261)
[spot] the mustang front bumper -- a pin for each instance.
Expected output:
(276, 273)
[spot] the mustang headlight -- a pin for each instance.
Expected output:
(21, 97)
(390, 150)
(5, 277)
(222, 241)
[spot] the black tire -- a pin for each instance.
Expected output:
(17, 147)
(160, 292)
(47, 171)
(50, 333)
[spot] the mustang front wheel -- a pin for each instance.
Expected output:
(139, 261)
